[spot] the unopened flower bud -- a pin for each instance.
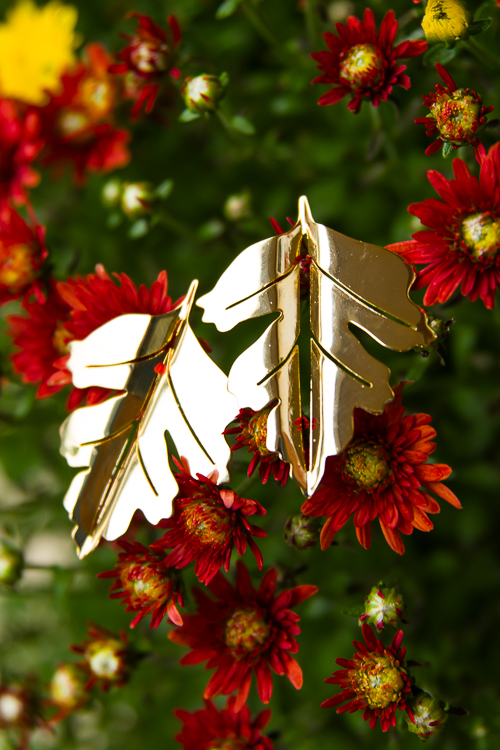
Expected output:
(237, 207)
(18, 709)
(67, 688)
(301, 531)
(383, 606)
(108, 659)
(458, 116)
(429, 716)
(112, 192)
(137, 198)
(203, 93)
(446, 21)
(11, 563)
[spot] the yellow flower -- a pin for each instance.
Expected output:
(446, 21)
(36, 46)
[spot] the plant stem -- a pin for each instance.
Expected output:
(311, 18)
(259, 24)
(246, 483)
(169, 221)
(482, 54)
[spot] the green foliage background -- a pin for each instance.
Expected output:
(360, 174)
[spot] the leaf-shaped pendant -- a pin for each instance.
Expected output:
(159, 364)
(351, 282)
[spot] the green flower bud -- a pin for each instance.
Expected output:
(383, 606)
(429, 716)
(137, 198)
(237, 207)
(301, 531)
(11, 563)
(203, 93)
(111, 192)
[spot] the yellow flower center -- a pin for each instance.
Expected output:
(256, 432)
(445, 21)
(480, 234)
(104, 659)
(362, 66)
(61, 339)
(204, 522)
(72, 122)
(457, 116)
(245, 631)
(365, 464)
(97, 97)
(16, 267)
(149, 57)
(150, 588)
(379, 679)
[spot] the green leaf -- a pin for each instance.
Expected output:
(242, 125)
(188, 116)
(211, 230)
(114, 219)
(447, 150)
(439, 53)
(479, 26)
(164, 189)
(353, 611)
(227, 8)
(138, 229)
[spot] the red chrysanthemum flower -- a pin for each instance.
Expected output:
(74, 309)
(375, 680)
(145, 584)
(209, 728)
(108, 658)
(455, 114)
(22, 252)
(242, 631)
(252, 432)
(20, 143)
(78, 125)
(207, 523)
(463, 243)
(42, 339)
(382, 473)
(363, 64)
(147, 61)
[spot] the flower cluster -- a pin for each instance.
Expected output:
(62, 108)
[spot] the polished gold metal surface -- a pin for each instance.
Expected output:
(351, 284)
(169, 384)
